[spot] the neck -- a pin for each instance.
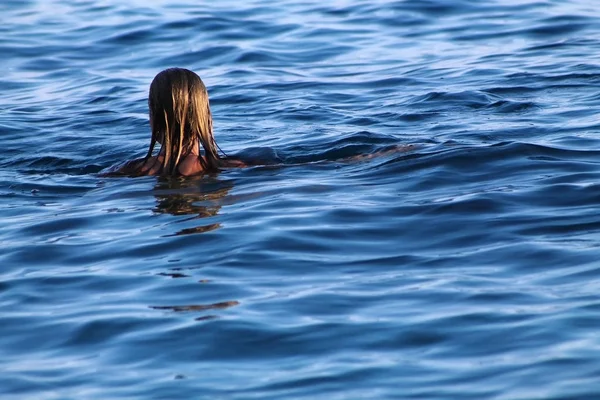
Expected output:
(195, 150)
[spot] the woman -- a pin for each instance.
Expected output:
(182, 125)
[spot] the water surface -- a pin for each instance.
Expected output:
(466, 267)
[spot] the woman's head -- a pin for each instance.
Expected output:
(180, 119)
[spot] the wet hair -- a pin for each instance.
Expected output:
(180, 118)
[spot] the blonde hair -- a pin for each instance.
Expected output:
(180, 118)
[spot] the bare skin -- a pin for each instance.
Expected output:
(189, 166)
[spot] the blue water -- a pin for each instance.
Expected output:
(466, 267)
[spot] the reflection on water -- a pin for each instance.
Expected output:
(198, 196)
(174, 274)
(199, 308)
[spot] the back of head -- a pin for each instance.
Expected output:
(181, 119)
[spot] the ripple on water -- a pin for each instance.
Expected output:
(460, 262)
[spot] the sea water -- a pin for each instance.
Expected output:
(466, 266)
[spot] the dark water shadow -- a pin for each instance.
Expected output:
(199, 308)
